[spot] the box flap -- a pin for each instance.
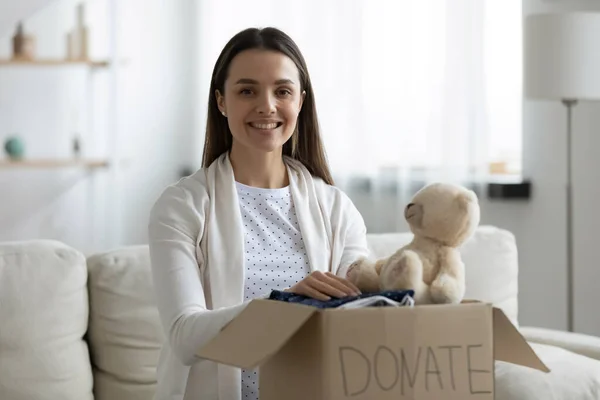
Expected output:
(258, 332)
(511, 346)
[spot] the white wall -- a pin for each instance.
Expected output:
(543, 231)
(157, 93)
(12, 11)
(151, 102)
(45, 107)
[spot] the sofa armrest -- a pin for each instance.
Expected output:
(579, 343)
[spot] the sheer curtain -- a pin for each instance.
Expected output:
(408, 91)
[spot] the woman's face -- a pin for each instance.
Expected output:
(261, 100)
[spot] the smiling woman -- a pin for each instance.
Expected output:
(260, 215)
(261, 79)
(261, 101)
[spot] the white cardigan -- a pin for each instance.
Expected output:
(197, 255)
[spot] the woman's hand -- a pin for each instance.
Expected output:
(324, 286)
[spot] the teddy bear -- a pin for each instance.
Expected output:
(441, 216)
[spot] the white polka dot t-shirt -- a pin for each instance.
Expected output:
(274, 251)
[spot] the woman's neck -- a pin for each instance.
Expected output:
(259, 169)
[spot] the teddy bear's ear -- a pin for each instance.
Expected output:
(413, 213)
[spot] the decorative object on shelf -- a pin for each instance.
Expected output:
(23, 44)
(77, 38)
(14, 147)
(562, 63)
(76, 146)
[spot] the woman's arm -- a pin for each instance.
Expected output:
(174, 228)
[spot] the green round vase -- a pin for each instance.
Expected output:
(14, 147)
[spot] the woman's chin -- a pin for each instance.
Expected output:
(269, 148)
(260, 146)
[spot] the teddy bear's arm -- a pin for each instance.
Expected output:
(364, 274)
(449, 284)
(404, 271)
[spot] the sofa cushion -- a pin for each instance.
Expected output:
(44, 316)
(571, 376)
(125, 334)
(491, 264)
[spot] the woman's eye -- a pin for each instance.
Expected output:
(285, 92)
(246, 92)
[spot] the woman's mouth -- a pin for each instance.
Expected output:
(266, 126)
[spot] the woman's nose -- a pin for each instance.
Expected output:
(266, 104)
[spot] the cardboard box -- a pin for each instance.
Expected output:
(423, 352)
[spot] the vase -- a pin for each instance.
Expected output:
(14, 147)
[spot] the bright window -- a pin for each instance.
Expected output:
(403, 86)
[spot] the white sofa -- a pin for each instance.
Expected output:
(73, 328)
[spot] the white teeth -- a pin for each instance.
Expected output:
(264, 126)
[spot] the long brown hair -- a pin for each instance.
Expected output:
(305, 145)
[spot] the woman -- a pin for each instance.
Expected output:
(261, 214)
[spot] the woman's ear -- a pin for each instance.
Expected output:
(302, 97)
(220, 102)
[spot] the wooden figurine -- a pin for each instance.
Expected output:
(23, 45)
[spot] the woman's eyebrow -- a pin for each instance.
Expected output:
(248, 81)
(284, 82)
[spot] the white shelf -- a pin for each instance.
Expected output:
(52, 63)
(53, 163)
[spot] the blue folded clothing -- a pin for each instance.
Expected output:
(401, 297)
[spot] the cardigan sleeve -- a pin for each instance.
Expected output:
(355, 240)
(174, 230)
